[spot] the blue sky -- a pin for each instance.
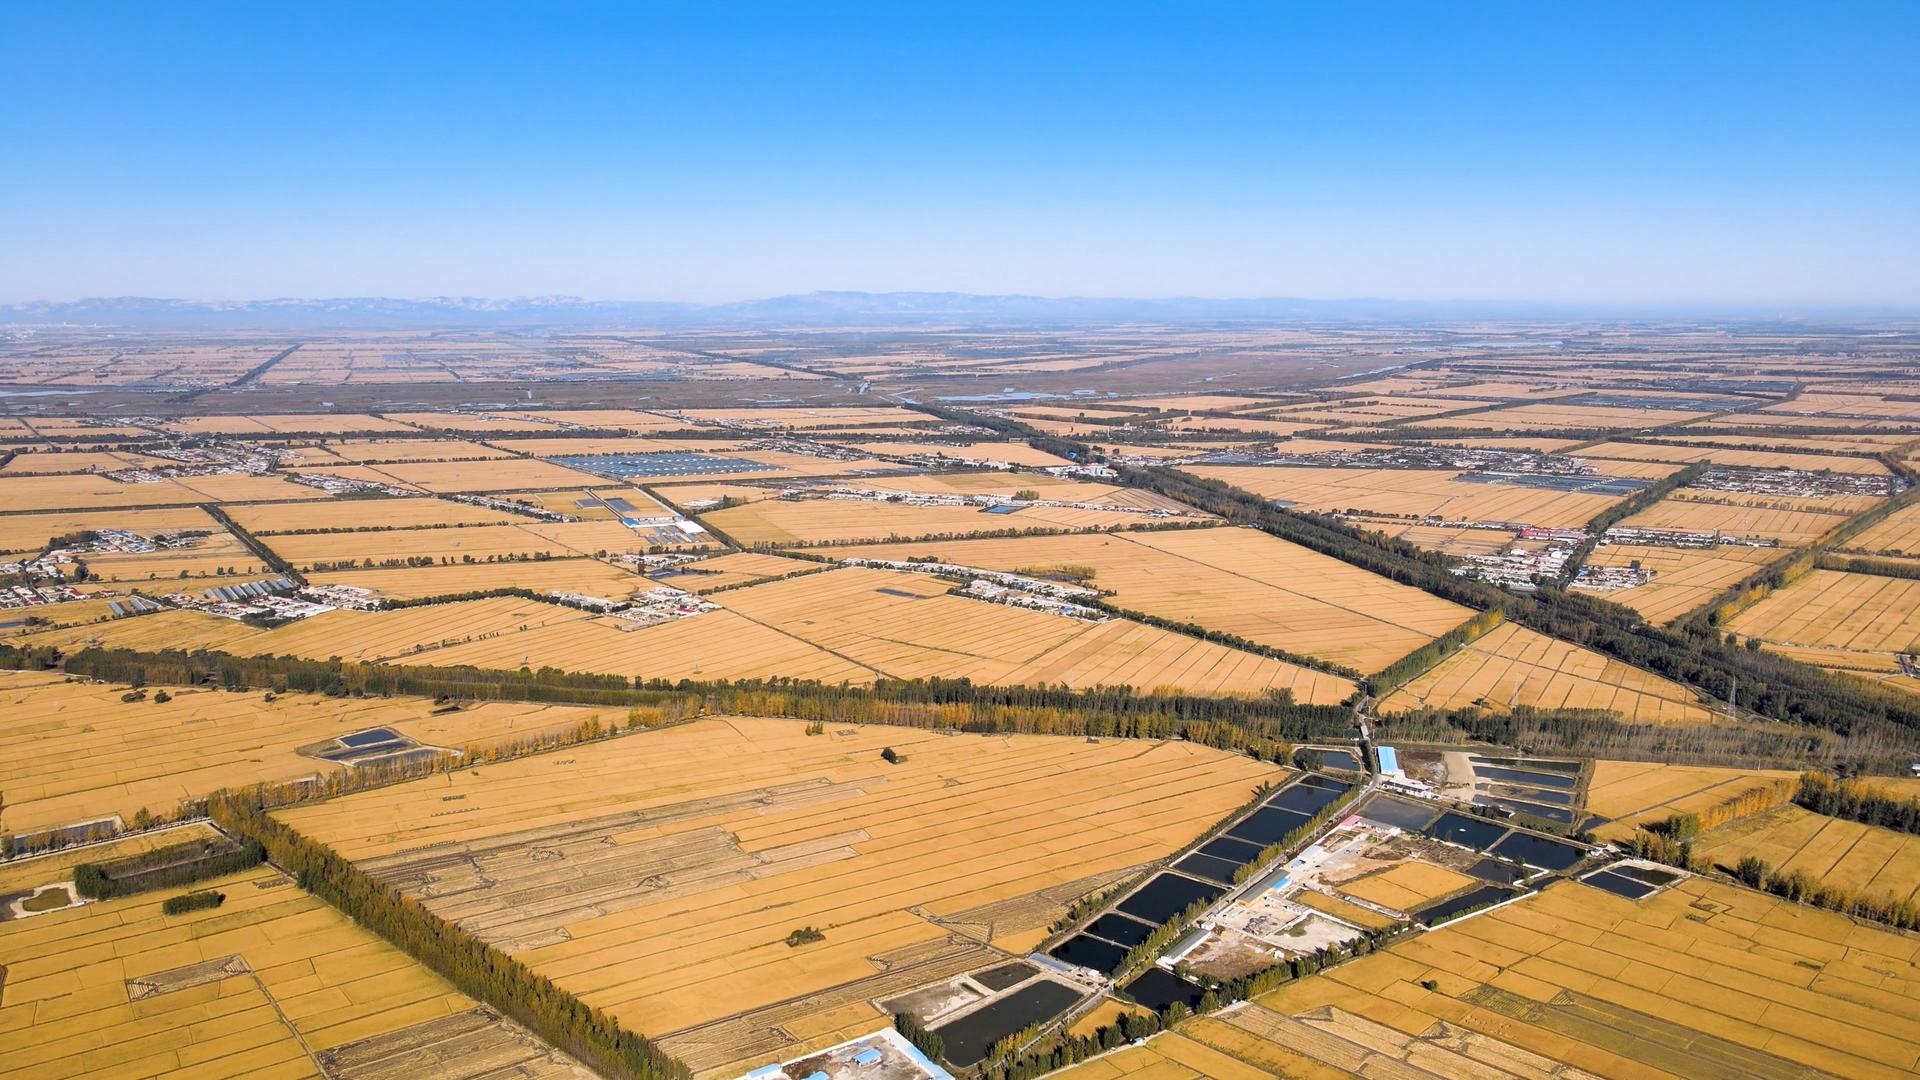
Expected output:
(1689, 153)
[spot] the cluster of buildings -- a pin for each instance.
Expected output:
(279, 599)
(999, 587)
(1683, 538)
(1796, 482)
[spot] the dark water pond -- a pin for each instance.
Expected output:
(968, 1039)
(1472, 832)
(1165, 896)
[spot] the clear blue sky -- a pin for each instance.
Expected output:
(1612, 152)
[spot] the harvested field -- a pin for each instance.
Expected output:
(589, 577)
(826, 521)
(220, 553)
(801, 418)
(1007, 485)
(273, 983)
(1410, 493)
(1838, 610)
(477, 423)
(1235, 580)
(1698, 980)
(1633, 792)
(657, 876)
(74, 752)
(287, 424)
(1683, 578)
(1863, 858)
(1515, 666)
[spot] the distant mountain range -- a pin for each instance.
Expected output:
(817, 309)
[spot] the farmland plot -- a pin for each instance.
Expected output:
(1410, 493)
(1636, 792)
(658, 876)
(823, 521)
(76, 752)
(1235, 580)
(1866, 859)
(273, 983)
(1701, 979)
(1839, 610)
(588, 577)
(1514, 666)
(1683, 578)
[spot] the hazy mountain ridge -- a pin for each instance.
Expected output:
(822, 309)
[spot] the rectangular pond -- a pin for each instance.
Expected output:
(1539, 851)
(1208, 867)
(968, 1039)
(1158, 988)
(1120, 930)
(1268, 825)
(1166, 896)
(1476, 833)
(1089, 952)
(1483, 896)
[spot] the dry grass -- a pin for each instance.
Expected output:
(746, 829)
(1515, 666)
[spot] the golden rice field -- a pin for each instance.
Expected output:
(74, 752)
(1011, 452)
(350, 635)
(827, 520)
(1683, 578)
(1865, 858)
(808, 417)
(345, 515)
(476, 423)
(1512, 666)
(273, 983)
(1408, 886)
(287, 424)
(1725, 455)
(1792, 528)
(630, 419)
(1195, 402)
(1838, 610)
(588, 577)
(1897, 533)
(459, 477)
(480, 542)
(31, 532)
(365, 450)
(1448, 539)
(1702, 979)
(1041, 485)
(76, 462)
(1547, 416)
(687, 855)
(1236, 580)
(1414, 493)
(862, 624)
(1634, 792)
(1248, 424)
(735, 568)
